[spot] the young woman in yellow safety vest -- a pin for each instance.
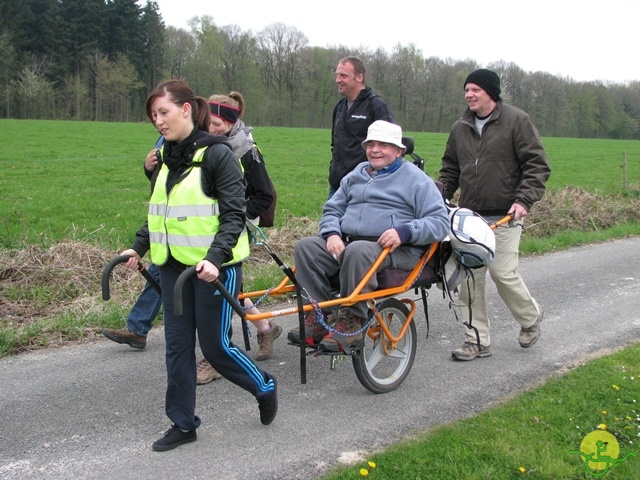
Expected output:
(196, 218)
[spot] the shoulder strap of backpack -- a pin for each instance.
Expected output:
(211, 140)
(372, 110)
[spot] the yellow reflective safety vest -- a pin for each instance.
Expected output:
(185, 222)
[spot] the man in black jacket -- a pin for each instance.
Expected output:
(352, 116)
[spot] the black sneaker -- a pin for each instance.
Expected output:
(269, 406)
(174, 437)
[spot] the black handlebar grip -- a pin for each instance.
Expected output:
(177, 294)
(106, 273)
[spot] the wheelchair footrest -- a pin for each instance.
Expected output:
(316, 351)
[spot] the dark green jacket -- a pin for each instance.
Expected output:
(506, 165)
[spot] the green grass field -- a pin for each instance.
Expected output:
(84, 180)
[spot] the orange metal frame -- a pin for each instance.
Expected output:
(285, 286)
(356, 296)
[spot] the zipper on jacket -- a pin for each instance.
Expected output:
(475, 165)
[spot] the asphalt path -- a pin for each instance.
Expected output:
(92, 411)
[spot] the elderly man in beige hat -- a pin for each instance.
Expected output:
(384, 202)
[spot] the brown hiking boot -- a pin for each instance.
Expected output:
(125, 336)
(205, 373)
(348, 332)
(469, 351)
(265, 341)
(314, 332)
(530, 335)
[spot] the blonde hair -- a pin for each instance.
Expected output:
(234, 99)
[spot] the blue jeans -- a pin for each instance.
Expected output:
(146, 308)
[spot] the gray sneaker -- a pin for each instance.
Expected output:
(205, 373)
(469, 351)
(530, 335)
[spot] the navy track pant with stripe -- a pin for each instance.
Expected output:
(206, 312)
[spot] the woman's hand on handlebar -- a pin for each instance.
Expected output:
(132, 263)
(207, 271)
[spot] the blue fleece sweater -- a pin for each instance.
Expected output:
(403, 197)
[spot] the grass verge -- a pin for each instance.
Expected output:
(51, 296)
(534, 435)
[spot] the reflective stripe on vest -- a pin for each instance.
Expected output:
(185, 222)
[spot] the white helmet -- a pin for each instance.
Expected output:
(472, 238)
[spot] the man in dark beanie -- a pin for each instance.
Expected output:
(487, 80)
(494, 155)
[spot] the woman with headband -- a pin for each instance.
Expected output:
(226, 120)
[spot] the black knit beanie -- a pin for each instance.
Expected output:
(487, 80)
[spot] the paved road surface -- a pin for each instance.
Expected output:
(92, 411)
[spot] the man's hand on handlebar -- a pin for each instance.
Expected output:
(390, 239)
(517, 211)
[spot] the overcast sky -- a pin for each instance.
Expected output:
(584, 40)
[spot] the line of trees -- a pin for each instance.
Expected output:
(98, 59)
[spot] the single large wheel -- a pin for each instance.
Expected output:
(379, 367)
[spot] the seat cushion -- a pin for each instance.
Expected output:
(394, 277)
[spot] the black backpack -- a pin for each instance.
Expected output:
(267, 217)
